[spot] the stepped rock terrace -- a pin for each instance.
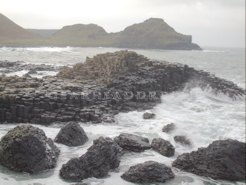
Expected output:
(99, 88)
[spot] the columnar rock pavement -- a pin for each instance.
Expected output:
(99, 88)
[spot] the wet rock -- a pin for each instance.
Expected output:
(132, 142)
(27, 149)
(71, 134)
(223, 159)
(101, 157)
(147, 115)
(148, 172)
(163, 147)
(182, 140)
(112, 82)
(168, 128)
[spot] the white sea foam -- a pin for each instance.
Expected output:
(199, 115)
(51, 49)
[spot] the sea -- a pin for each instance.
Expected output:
(200, 115)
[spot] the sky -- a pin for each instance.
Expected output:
(217, 23)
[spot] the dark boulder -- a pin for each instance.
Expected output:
(163, 147)
(132, 142)
(147, 115)
(168, 128)
(71, 134)
(223, 159)
(148, 172)
(182, 140)
(27, 149)
(101, 157)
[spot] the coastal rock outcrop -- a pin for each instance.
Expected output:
(10, 67)
(148, 172)
(223, 159)
(71, 134)
(148, 115)
(163, 147)
(101, 157)
(132, 142)
(168, 128)
(99, 88)
(182, 140)
(27, 149)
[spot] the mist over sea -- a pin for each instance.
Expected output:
(200, 115)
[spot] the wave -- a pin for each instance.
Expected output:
(203, 116)
(210, 51)
(213, 51)
(37, 49)
(51, 49)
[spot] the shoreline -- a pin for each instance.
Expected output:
(105, 81)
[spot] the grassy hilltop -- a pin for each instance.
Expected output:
(11, 32)
(153, 33)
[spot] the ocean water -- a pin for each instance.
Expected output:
(199, 115)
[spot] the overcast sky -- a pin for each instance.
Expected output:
(219, 23)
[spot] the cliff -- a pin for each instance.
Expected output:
(9, 31)
(153, 33)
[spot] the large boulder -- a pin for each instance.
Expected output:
(148, 115)
(101, 157)
(71, 134)
(223, 159)
(168, 128)
(27, 149)
(132, 142)
(148, 172)
(182, 140)
(163, 147)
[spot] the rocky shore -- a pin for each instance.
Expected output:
(99, 88)
(27, 149)
(95, 91)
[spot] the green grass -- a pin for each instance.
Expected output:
(150, 34)
(11, 31)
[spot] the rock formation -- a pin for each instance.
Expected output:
(223, 159)
(99, 88)
(148, 172)
(168, 128)
(147, 115)
(10, 67)
(71, 134)
(154, 33)
(163, 147)
(182, 140)
(101, 157)
(131, 142)
(27, 149)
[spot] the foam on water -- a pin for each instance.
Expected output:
(18, 73)
(199, 115)
(51, 49)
